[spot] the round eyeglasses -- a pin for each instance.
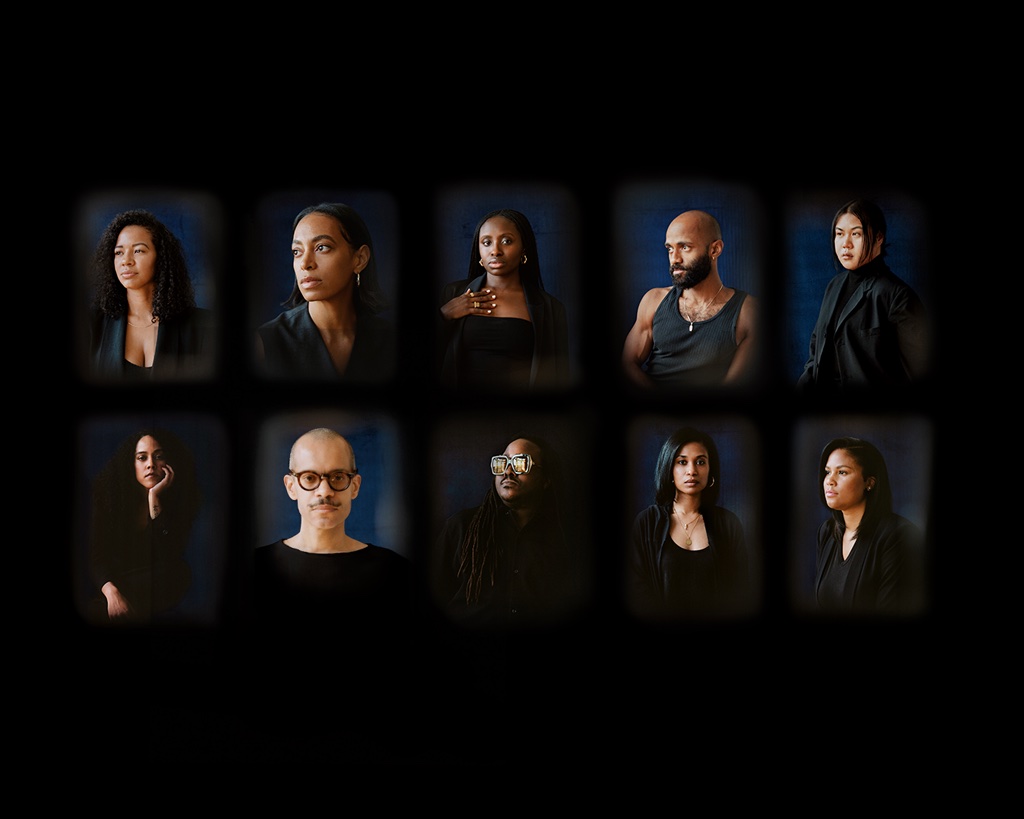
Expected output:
(521, 464)
(310, 481)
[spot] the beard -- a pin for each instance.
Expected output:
(687, 277)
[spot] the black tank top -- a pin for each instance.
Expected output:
(498, 352)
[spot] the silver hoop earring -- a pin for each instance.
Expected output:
(357, 279)
(712, 482)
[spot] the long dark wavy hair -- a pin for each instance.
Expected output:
(872, 220)
(878, 502)
(478, 554)
(118, 495)
(173, 293)
(529, 272)
(368, 296)
(664, 486)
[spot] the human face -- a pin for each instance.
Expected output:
(521, 490)
(851, 242)
(689, 255)
(135, 258)
(149, 462)
(691, 469)
(500, 246)
(325, 262)
(844, 484)
(323, 507)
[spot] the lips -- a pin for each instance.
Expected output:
(309, 281)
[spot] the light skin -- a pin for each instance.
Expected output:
(851, 243)
(135, 266)
(845, 487)
(155, 475)
(501, 252)
(522, 494)
(690, 473)
(689, 238)
(325, 265)
(323, 511)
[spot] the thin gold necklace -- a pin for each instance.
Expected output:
(152, 323)
(686, 526)
(700, 315)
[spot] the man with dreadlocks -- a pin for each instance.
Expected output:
(508, 561)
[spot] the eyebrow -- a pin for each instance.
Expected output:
(319, 238)
(133, 244)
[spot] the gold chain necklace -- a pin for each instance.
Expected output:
(686, 526)
(700, 315)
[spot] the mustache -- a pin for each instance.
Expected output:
(323, 502)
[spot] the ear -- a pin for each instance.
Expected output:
(289, 486)
(362, 258)
(357, 481)
(715, 250)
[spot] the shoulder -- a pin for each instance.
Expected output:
(288, 319)
(452, 289)
(650, 300)
(384, 555)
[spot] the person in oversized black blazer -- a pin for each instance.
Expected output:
(499, 327)
(145, 324)
(872, 328)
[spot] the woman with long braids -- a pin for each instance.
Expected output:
(869, 557)
(145, 323)
(687, 555)
(499, 327)
(145, 501)
(508, 561)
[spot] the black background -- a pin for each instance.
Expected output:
(601, 691)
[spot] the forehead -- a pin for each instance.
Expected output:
(134, 234)
(317, 224)
(321, 454)
(521, 446)
(147, 443)
(842, 457)
(683, 230)
(849, 221)
(499, 226)
(692, 449)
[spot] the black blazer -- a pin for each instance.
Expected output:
(550, 367)
(881, 337)
(184, 346)
(293, 348)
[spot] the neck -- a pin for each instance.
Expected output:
(687, 504)
(852, 518)
(708, 288)
(338, 313)
(140, 303)
(322, 541)
(510, 281)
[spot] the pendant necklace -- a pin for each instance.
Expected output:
(699, 316)
(686, 526)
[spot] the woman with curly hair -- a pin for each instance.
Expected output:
(145, 321)
(145, 501)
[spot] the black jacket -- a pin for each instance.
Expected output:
(881, 336)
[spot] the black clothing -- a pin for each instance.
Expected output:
(701, 356)
(883, 573)
(146, 563)
(880, 338)
(184, 347)
(549, 367)
(369, 587)
(666, 581)
(294, 349)
(536, 577)
(499, 352)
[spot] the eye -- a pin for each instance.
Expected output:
(322, 247)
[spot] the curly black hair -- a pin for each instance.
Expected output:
(173, 294)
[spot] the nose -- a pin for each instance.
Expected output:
(324, 488)
(306, 260)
